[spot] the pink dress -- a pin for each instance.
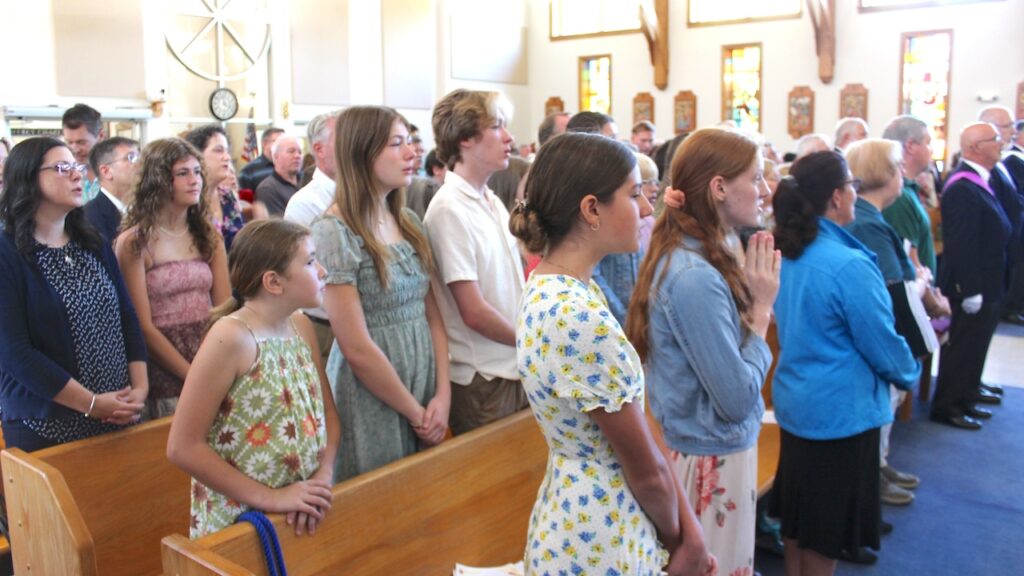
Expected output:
(179, 301)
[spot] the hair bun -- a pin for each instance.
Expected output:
(526, 225)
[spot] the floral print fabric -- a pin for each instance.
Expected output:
(270, 427)
(722, 491)
(573, 358)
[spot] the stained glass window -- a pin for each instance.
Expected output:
(741, 86)
(596, 83)
(574, 18)
(924, 90)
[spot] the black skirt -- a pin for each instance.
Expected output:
(826, 492)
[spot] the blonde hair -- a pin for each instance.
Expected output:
(648, 169)
(462, 115)
(875, 161)
(360, 134)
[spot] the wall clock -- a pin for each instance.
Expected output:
(223, 104)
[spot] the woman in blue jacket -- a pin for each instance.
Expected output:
(698, 319)
(838, 353)
(72, 360)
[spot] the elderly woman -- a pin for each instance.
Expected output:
(650, 185)
(72, 358)
(839, 353)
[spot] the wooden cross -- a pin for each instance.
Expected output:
(823, 17)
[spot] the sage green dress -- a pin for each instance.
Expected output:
(372, 434)
(270, 426)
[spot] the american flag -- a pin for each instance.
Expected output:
(251, 149)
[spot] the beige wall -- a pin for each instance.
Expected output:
(988, 55)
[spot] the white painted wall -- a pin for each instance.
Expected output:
(988, 55)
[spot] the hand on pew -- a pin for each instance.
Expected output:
(304, 503)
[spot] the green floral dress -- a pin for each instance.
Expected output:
(573, 358)
(270, 427)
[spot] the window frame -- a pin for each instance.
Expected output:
(904, 39)
(581, 61)
(727, 102)
(691, 24)
(919, 4)
(553, 38)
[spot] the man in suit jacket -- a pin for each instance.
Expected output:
(115, 163)
(1012, 167)
(973, 275)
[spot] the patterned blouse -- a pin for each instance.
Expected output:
(573, 358)
(93, 312)
(270, 427)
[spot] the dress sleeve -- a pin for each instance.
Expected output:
(338, 249)
(594, 364)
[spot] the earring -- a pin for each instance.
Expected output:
(596, 227)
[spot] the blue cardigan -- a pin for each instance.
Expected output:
(838, 344)
(37, 353)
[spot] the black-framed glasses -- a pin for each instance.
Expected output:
(855, 183)
(65, 168)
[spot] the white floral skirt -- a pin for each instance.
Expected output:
(723, 493)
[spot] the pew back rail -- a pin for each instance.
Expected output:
(96, 506)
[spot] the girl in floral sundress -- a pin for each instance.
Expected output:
(610, 503)
(256, 425)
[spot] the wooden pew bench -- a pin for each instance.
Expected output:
(95, 507)
(468, 500)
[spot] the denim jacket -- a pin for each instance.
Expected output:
(616, 274)
(704, 370)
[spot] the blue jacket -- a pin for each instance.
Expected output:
(838, 344)
(704, 370)
(37, 352)
(616, 274)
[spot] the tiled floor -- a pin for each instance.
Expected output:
(1005, 364)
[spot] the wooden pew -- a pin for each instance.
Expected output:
(96, 506)
(468, 500)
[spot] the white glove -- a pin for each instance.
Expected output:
(972, 305)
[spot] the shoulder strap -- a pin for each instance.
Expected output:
(254, 339)
(268, 540)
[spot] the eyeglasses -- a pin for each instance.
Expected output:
(995, 138)
(65, 168)
(131, 158)
(855, 183)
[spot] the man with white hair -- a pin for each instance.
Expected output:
(811, 143)
(973, 275)
(849, 130)
(1007, 180)
(313, 200)
(275, 191)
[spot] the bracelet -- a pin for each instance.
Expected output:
(91, 406)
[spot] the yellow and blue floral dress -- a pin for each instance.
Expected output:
(573, 358)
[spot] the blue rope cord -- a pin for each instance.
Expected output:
(268, 540)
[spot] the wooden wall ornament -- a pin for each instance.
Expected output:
(853, 102)
(823, 18)
(654, 25)
(1020, 101)
(800, 104)
(553, 105)
(643, 107)
(685, 112)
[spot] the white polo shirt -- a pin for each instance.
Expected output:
(308, 204)
(469, 235)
